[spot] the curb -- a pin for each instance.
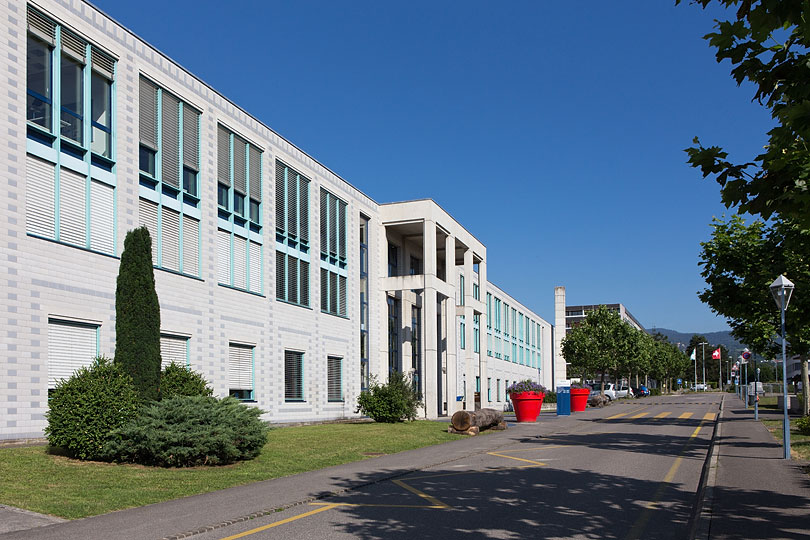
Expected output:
(701, 519)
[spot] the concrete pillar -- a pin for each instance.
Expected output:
(429, 248)
(431, 372)
(560, 372)
(453, 374)
(483, 366)
(465, 363)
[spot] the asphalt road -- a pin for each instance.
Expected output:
(630, 471)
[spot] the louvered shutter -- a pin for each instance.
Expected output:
(324, 289)
(39, 196)
(333, 226)
(240, 262)
(281, 276)
(147, 114)
(74, 45)
(334, 378)
(148, 217)
(102, 217)
(41, 26)
(223, 156)
(70, 347)
(342, 296)
(170, 140)
(292, 202)
(102, 63)
(293, 375)
(292, 279)
(324, 221)
(72, 207)
(191, 243)
(170, 239)
(223, 257)
(255, 267)
(255, 167)
(239, 165)
(240, 367)
(341, 229)
(173, 349)
(333, 296)
(304, 211)
(280, 191)
(304, 300)
(191, 138)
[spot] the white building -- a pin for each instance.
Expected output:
(279, 281)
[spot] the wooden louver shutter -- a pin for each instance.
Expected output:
(147, 114)
(191, 138)
(170, 139)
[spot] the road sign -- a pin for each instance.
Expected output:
(746, 355)
(680, 381)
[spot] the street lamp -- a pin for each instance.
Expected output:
(703, 346)
(781, 289)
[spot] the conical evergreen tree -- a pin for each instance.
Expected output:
(137, 315)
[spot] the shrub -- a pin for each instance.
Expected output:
(137, 315)
(177, 380)
(184, 431)
(551, 397)
(87, 407)
(803, 424)
(655, 391)
(395, 401)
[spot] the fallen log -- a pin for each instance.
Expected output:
(482, 419)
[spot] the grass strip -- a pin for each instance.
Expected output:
(799, 444)
(35, 480)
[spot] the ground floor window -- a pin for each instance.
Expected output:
(293, 376)
(71, 345)
(334, 376)
(240, 371)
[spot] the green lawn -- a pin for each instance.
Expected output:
(799, 444)
(33, 479)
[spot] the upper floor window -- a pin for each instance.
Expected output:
(239, 179)
(292, 235)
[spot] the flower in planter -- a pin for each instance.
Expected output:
(525, 386)
(581, 385)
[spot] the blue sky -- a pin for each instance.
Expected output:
(553, 131)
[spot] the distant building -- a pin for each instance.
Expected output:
(574, 315)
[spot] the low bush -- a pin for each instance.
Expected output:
(655, 391)
(84, 409)
(551, 397)
(395, 401)
(185, 431)
(177, 380)
(803, 425)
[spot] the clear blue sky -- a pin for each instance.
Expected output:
(553, 131)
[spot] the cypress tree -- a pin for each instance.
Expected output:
(137, 315)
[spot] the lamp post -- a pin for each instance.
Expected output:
(703, 346)
(781, 289)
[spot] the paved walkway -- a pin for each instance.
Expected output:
(754, 492)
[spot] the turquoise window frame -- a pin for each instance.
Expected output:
(293, 244)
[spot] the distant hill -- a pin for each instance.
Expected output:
(681, 339)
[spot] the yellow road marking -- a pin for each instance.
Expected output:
(618, 415)
(644, 518)
(433, 500)
(282, 522)
(685, 415)
(366, 505)
(662, 415)
(710, 416)
(640, 415)
(535, 463)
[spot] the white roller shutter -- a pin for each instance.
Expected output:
(102, 217)
(72, 207)
(223, 257)
(148, 217)
(39, 197)
(70, 347)
(240, 262)
(173, 349)
(170, 239)
(191, 242)
(240, 367)
(255, 267)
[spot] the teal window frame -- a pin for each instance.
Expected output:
(294, 244)
(333, 254)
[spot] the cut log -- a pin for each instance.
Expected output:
(472, 431)
(482, 418)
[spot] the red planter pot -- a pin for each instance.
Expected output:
(579, 399)
(527, 405)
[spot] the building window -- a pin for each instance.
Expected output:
(240, 371)
(393, 260)
(477, 383)
(497, 389)
(71, 346)
(393, 335)
(506, 319)
(173, 350)
(333, 254)
(364, 289)
(462, 333)
(416, 266)
(334, 378)
(239, 260)
(489, 389)
(461, 291)
(476, 333)
(239, 179)
(293, 376)
(292, 235)
(476, 290)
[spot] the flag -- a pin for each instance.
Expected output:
(693, 355)
(716, 354)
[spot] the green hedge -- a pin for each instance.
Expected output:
(395, 401)
(177, 380)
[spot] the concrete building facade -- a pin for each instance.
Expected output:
(279, 281)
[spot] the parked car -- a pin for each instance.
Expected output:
(625, 391)
(610, 391)
(643, 391)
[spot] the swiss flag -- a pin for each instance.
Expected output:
(716, 354)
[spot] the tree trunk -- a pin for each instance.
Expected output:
(482, 418)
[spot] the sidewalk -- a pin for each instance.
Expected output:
(752, 491)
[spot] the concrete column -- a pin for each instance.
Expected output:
(429, 248)
(465, 363)
(453, 374)
(560, 372)
(483, 366)
(431, 373)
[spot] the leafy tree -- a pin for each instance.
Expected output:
(137, 315)
(739, 262)
(767, 43)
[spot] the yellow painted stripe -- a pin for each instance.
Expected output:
(618, 415)
(433, 500)
(282, 522)
(364, 505)
(685, 415)
(640, 415)
(710, 416)
(662, 415)
(537, 463)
